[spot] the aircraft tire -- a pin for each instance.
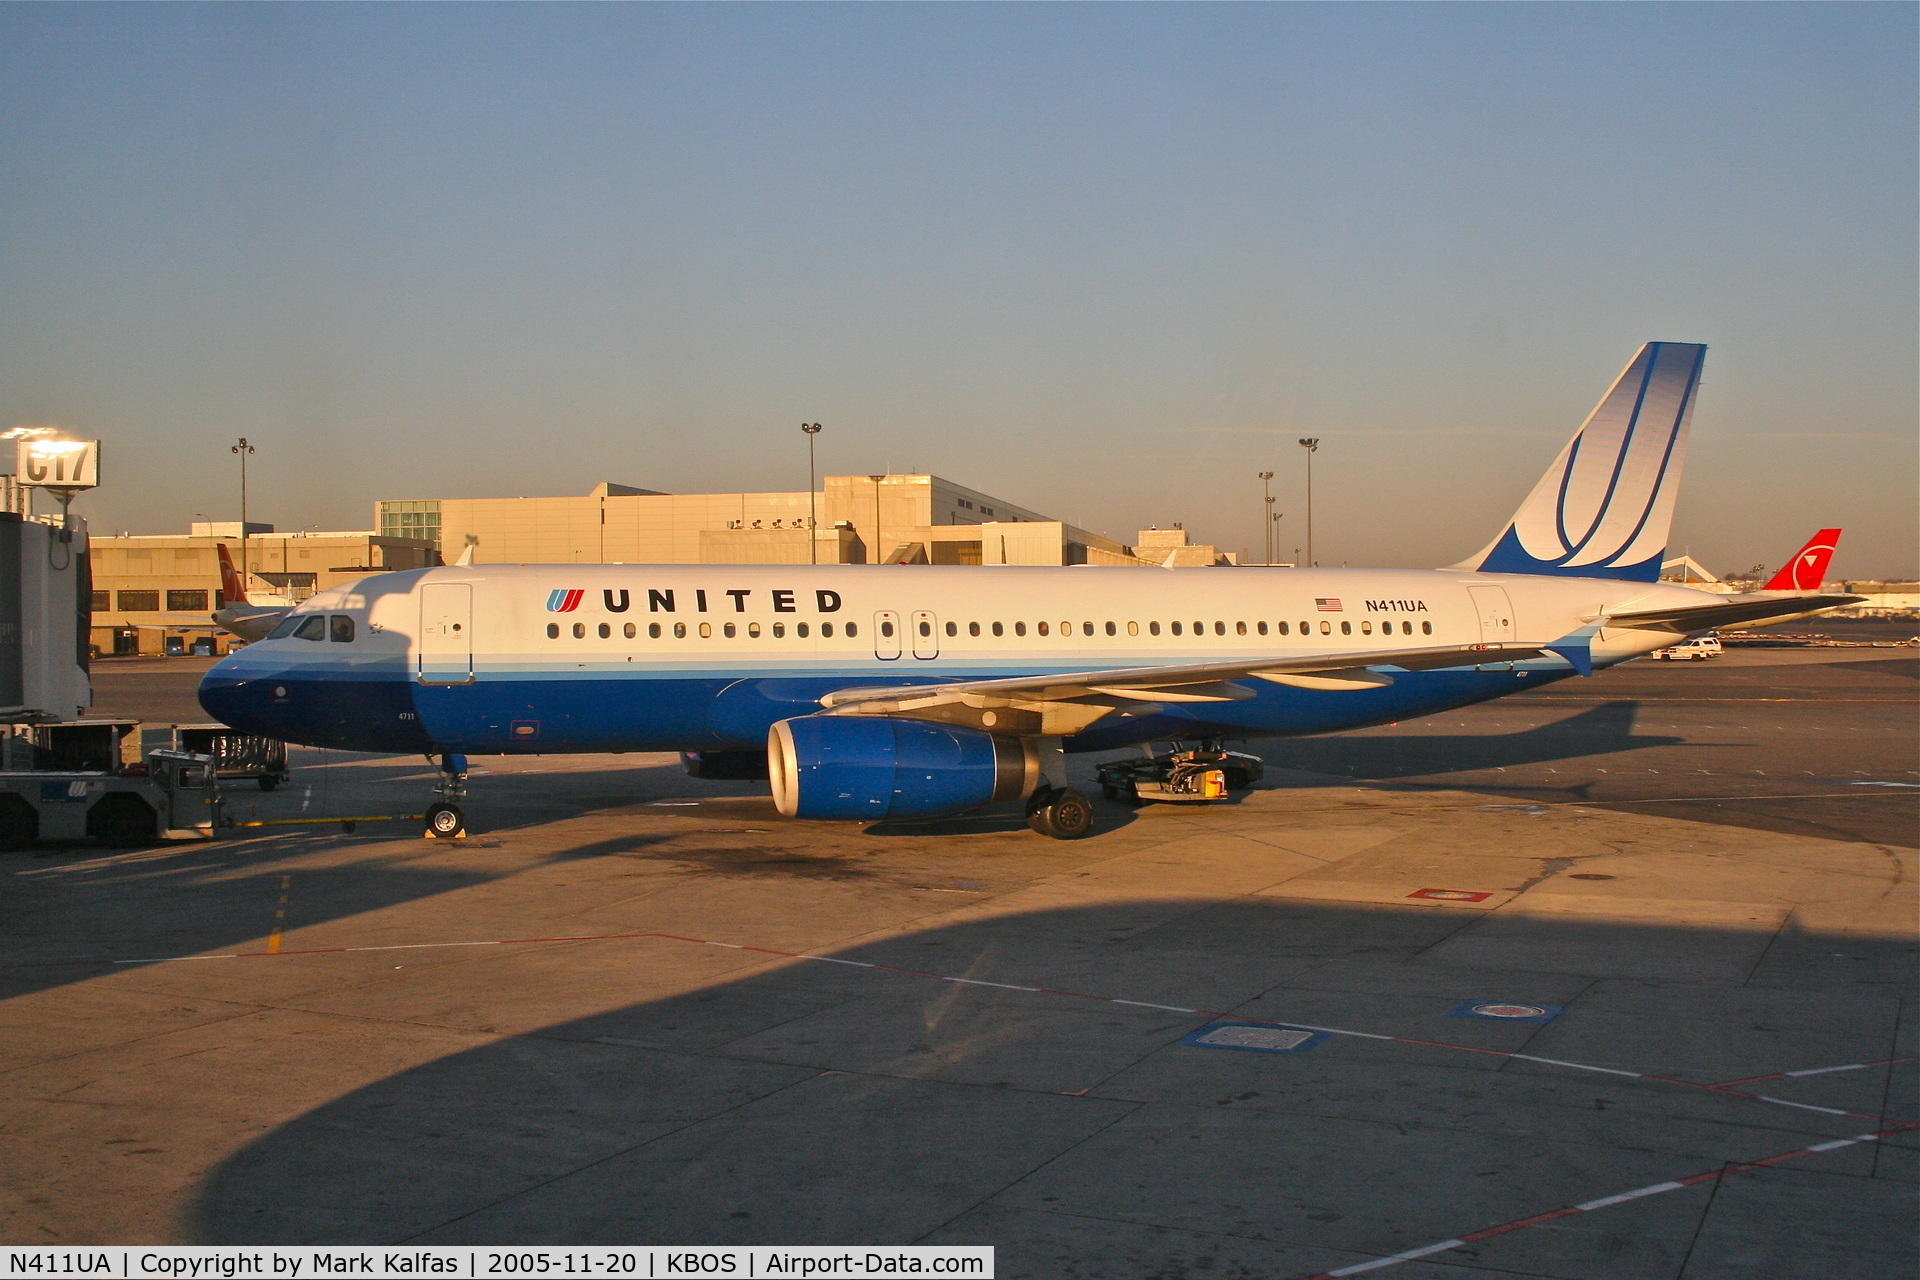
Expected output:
(1065, 815)
(445, 822)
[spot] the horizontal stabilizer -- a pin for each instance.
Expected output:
(1732, 611)
(1603, 508)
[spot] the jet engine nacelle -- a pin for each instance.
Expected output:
(866, 768)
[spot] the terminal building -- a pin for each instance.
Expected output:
(904, 519)
(155, 593)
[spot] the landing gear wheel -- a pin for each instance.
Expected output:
(1064, 814)
(445, 822)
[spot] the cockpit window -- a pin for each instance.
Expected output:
(312, 627)
(284, 629)
(342, 629)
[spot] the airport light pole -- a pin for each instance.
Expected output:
(1266, 489)
(876, 516)
(1312, 446)
(813, 538)
(243, 449)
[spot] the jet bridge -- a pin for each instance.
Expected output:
(46, 599)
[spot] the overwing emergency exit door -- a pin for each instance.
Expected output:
(445, 647)
(886, 635)
(926, 634)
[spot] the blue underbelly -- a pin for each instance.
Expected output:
(594, 712)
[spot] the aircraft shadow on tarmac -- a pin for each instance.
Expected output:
(1602, 731)
(217, 909)
(825, 1103)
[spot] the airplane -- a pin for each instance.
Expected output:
(923, 691)
(251, 622)
(1809, 564)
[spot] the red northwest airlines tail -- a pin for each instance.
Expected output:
(1808, 568)
(235, 591)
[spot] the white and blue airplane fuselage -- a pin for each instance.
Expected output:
(894, 691)
(595, 658)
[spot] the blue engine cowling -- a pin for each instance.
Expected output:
(866, 768)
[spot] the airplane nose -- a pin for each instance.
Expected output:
(233, 699)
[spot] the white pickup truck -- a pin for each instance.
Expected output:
(1698, 649)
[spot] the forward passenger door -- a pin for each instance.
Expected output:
(444, 651)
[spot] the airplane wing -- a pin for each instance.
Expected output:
(1751, 609)
(1062, 704)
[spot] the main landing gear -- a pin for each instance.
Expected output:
(444, 819)
(1060, 812)
(1055, 809)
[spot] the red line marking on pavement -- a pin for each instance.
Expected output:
(1604, 1202)
(1814, 1071)
(1722, 1088)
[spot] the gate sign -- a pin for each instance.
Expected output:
(57, 464)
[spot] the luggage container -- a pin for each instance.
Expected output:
(1182, 777)
(238, 757)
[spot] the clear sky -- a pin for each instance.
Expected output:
(1105, 261)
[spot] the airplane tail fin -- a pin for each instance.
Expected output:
(232, 589)
(1808, 568)
(1603, 508)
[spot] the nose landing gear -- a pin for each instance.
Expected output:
(445, 821)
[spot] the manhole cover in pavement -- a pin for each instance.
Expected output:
(1450, 895)
(1235, 1035)
(1507, 1010)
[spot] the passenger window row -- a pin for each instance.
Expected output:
(704, 630)
(778, 630)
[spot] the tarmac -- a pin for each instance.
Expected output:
(1615, 980)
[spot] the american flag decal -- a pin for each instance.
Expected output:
(1327, 604)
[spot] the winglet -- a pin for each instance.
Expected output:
(1808, 568)
(232, 589)
(1603, 508)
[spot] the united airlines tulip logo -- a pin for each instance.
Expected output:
(560, 600)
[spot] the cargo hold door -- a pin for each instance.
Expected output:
(444, 651)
